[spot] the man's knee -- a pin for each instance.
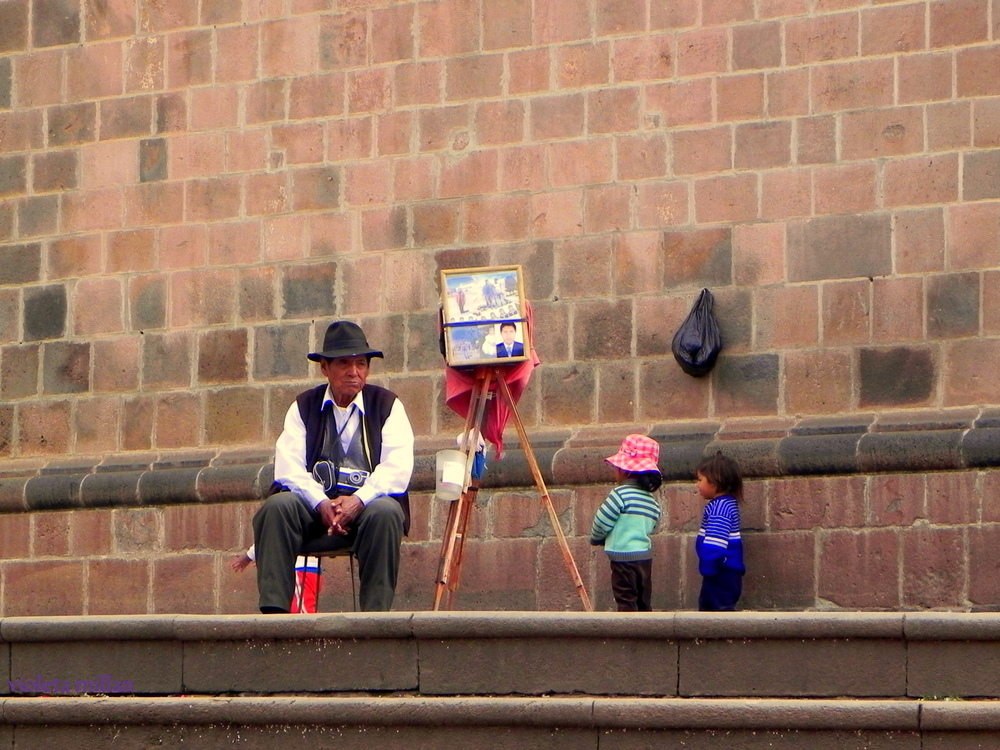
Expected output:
(384, 510)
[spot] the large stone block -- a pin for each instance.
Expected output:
(66, 367)
(699, 257)
(954, 668)
(151, 666)
(746, 385)
(897, 376)
(839, 247)
(779, 667)
(44, 312)
(368, 664)
(537, 666)
(953, 305)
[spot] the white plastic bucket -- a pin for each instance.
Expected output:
(450, 465)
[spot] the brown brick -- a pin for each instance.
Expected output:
(701, 151)
(897, 376)
(137, 423)
(928, 179)
(10, 316)
(213, 527)
(817, 143)
(807, 503)
(958, 22)
(920, 241)
(638, 262)
(237, 58)
(821, 38)
(964, 365)
(212, 199)
(178, 420)
(222, 356)
(583, 267)
(757, 46)
(395, 133)
(641, 157)
(116, 364)
(501, 218)
(787, 317)
(727, 198)
(154, 203)
(206, 297)
(613, 111)
(979, 179)
(37, 215)
(674, 15)
(137, 531)
(952, 498)
(166, 359)
(701, 51)
(473, 77)
(568, 394)
(50, 534)
(184, 584)
(839, 247)
(741, 97)
(266, 101)
(860, 570)
(316, 188)
(666, 392)
(786, 194)
(117, 587)
(433, 225)
(256, 294)
(234, 243)
(506, 23)
(98, 307)
(763, 145)
(747, 385)
(794, 554)
(701, 257)
(616, 400)
(95, 424)
(19, 369)
(368, 90)
(607, 209)
(953, 305)
(38, 80)
(851, 85)
(602, 330)
(557, 117)
(234, 416)
(13, 175)
(54, 171)
(171, 113)
(892, 29)
(189, 58)
(848, 188)
(818, 382)
(342, 40)
(896, 500)
(522, 168)
(932, 567)
(42, 589)
(991, 298)
(787, 92)
(15, 535)
(55, 22)
(44, 428)
(759, 254)
(529, 71)
(14, 26)
(897, 310)
(984, 568)
(682, 102)
(90, 532)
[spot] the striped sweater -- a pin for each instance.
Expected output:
(624, 522)
(719, 544)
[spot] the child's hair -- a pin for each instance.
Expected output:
(646, 480)
(724, 473)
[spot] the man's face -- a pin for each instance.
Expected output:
(508, 335)
(346, 376)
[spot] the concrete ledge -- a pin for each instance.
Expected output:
(658, 713)
(903, 441)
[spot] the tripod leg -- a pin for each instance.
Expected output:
(546, 500)
(458, 514)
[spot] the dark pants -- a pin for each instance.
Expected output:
(285, 527)
(720, 592)
(630, 583)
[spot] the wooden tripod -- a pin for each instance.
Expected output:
(460, 510)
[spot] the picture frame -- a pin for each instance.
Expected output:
(484, 315)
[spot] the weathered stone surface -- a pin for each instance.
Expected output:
(897, 376)
(280, 352)
(53, 491)
(839, 247)
(55, 22)
(819, 454)
(746, 385)
(44, 312)
(902, 451)
(699, 257)
(308, 291)
(953, 305)
(20, 264)
(152, 666)
(67, 367)
(152, 159)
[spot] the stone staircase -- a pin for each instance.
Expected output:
(488, 680)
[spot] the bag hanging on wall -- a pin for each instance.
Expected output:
(698, 341)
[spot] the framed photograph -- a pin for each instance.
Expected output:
(485, 319)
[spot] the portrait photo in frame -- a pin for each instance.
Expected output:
(484, 316)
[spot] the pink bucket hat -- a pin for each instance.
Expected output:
(638, 453)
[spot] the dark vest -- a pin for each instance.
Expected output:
(378, 404)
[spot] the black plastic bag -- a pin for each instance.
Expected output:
(698, 342)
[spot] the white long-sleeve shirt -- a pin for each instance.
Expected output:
(390, 477)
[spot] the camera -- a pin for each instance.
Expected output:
(345, 480)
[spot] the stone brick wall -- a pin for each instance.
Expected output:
(900, 541)
(190, 192)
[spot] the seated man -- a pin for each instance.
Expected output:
(341, 469)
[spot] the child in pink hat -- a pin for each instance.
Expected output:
(625, 520)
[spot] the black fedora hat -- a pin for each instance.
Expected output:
(344, 339)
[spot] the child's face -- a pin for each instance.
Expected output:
(705, 488)
(619, 474)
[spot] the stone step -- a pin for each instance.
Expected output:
(388, 723)
(663, 654)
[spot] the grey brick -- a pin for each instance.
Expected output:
(953, 306)
(280, 352)
(44, 312)
(897, 376)
(839, 247)
(66, 367)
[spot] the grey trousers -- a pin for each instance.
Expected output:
(285, 527)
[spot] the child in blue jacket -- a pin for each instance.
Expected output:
(719, 545)
(625, 520)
